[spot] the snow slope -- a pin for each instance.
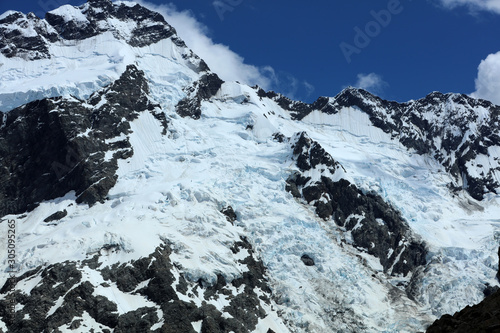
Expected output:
(80, 67)
(175, 185)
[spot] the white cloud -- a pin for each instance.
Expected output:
(473, 5)
(220, 58)
(488, 79)
(309, 88)
(371, 82)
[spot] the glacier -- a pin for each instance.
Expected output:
(180, 177)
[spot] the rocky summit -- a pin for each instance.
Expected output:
(142, 192)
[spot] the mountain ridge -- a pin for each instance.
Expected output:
(186, 203)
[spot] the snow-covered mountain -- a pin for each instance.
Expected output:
(145, 194)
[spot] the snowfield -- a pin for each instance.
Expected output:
(175, 185)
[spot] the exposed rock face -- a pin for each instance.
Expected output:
(56, 146)
(17, 39)
(150, 26)
(29, 37)
(67, 291)
(298, 109)
(490, 290)
(201, 90)
(229, 213)
(56, 216)
(373, 224)
(456, 130)
(53, 146)
(483, 317)
(307, 260)
(498, 273)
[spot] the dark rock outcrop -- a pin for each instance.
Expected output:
(64, 293)
(201, 90)
(16, 40)
(297, 109)
(451, 128)
(374, 225)
(56, 216)
(149, 27)
(490, 290)
(483, 317)
(229, 213)
(57, 145)
(498, 272)
(307, 260)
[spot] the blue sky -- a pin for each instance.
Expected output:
(400, 50)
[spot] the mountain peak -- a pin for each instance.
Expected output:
(141, 26)
(100, 3)
(10, 16)
(147, 194)
(30, 37)
(117, 33)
